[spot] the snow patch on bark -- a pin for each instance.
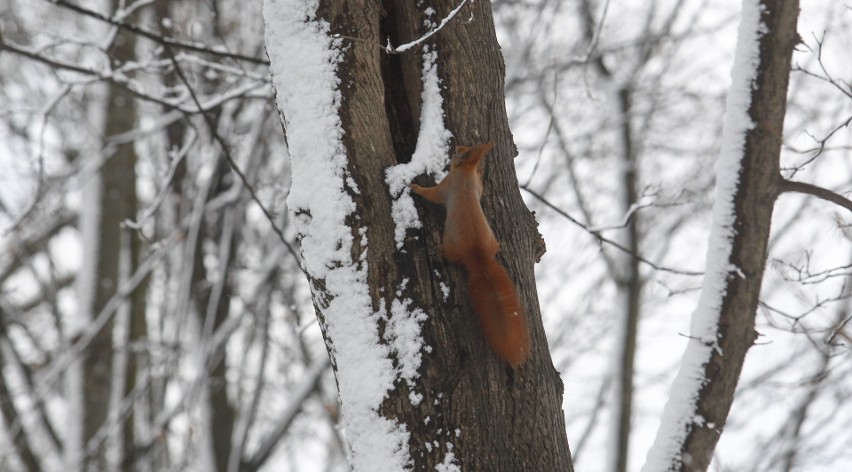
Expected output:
(403, 333)
(430, 155)
(449, 463)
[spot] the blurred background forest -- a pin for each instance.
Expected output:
(154, 313)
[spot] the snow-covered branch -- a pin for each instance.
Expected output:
(405, 47)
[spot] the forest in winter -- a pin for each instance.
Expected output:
(216, 253)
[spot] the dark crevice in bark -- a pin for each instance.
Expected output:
(401, 119)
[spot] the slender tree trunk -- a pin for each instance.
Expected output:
(629, 285)
(464, 406)
(222, 411)
(214, 299)
(624, 266)
(137, 325)
(114, 188)
(747, 186)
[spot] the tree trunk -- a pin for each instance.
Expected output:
(212, 303)
(747, 186)
(628, 282)
(623, 265)
(114, 191)
(464, 406)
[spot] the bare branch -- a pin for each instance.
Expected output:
(312, 378)
(11, 416)
(115, 79)
(606, 240)
(793, 186)
(156, 37)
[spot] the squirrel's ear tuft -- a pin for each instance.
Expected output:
(462, 149)
(478, 153)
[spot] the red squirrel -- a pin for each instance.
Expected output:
(469, 241)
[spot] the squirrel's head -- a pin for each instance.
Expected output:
(471, 157)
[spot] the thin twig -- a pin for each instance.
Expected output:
(602, 239)
(164, 191)
(405, 47)
(62, 65)
(593, 35)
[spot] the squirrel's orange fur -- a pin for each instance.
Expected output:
(469, 241)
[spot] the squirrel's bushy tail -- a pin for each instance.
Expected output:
(496, 304)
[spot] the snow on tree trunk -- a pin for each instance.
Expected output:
(418, 385)
(747, 175)
(304, 61)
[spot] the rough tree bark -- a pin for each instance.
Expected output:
(474, 406)
(691, 446)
